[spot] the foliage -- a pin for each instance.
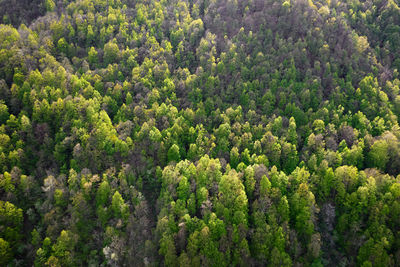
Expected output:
(199, 133)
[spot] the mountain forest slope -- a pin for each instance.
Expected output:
(199, 133)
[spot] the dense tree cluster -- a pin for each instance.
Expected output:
(200, 133)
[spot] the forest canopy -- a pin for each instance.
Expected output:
(199, 133)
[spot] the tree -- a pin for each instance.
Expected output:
(232, 199)
(92, 56)
(5, 252)
(62, 44)
(50, 5)
(167, 248)
(378, 155)
(103, 193)
(183, 189)
(249, 181)
(301, 212)
(173, 153)
(63, 249)
(118, 206)
(292, 134)
(234, 157)
(111, 52)
(11, 219)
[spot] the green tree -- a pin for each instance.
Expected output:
(92, 56)
(63, 249)
(232, 199)
(118, 206)
(234, 157)
(50, 5)
(103, 193)
(173, 153)
(5, 252)
(111, 52)
(183, 189)
(378, 155)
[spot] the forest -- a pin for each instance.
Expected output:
(200, 133)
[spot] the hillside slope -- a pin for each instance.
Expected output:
(200, 133)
